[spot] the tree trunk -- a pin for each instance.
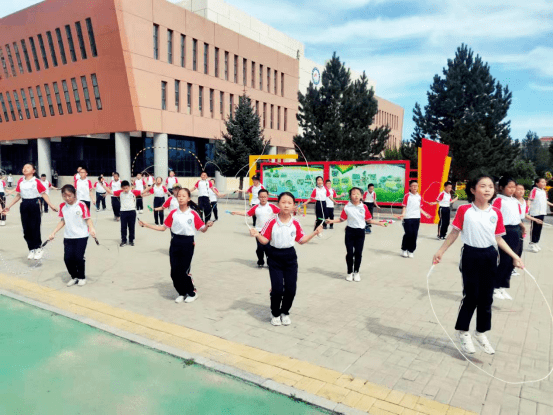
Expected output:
(241, 186)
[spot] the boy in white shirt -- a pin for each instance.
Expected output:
(85, 191)
(47, 185)
(537, 204)
(411, 217)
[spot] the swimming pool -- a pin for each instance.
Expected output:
(50, 364)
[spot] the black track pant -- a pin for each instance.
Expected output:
(180, 257)
(283, 270)
(370, 206)
(355, 240)
(30, 219)
(205, 208)
(320, 212)
(535, 230)
(2, 204)
(116, 206)
(87, 203)
(158, 214)
(100, 200)
(139, 203)
(128, 221)
(479, 269)
(261, 252)
(411, 227)
(505, 267)
(214, 210)
(443, 224)
(329, 215)
(74, 250)
(44, 205)
(254, 217)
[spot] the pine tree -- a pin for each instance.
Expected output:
(466, 110)
(551, 154)
(335, 118)
(244, 136)
(531, 145)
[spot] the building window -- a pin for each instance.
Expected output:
(244, 71)
(18, 57)
(272, 116)
(40, 100)
(268, 79)
(177, 95)
(67, 97)
(70, 42)
(211, 92)
(275, 81)
(49, 99)
(169, 46)
(4, 66)
(80, 39)
(282, 84)
(226, 66)
(33, 102)
(52, 50)
(4, 109)
(253, 74)
(10, 60)
(217, 62)
(206, 58)
(257, 108)
(42, 51)
(61, 47)
(222, 104)
(96, 91)
(11, 105)
(26, 55)
(163, 95)
(285, 119)
(194, 54)
(278, 118)
(156, 41)
(182, 50)
(58, 98)
(86, 94)
(76, 95)
(91, 38)
(18, 105)
(261, 77)
(231, 106)
(235, 69)
(189, 98)
(264, 115)
(201, 100)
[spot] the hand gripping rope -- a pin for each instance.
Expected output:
(459, 350)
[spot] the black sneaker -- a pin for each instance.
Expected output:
(131, 244)
(122, 244)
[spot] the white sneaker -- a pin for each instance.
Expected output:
(515, 273)
(505, 294)
(285, 319)
(179, 299)
(537, 246)
(356, 277)
(483, 343)
(31, 254)
(411, 255)
(275, 321)
(465, 339)
(2, 223)
(72, 282)
(349, 277)
(81, 282)
(405, 254)
(533, 248)
(189, 299)
(319, 235)
(498, 294)
(38, 253)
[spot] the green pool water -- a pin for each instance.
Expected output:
(50, 364)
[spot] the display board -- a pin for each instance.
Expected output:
(296, 179)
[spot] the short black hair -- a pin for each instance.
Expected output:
(42, 175)
(256, 177)
(538, 179)
(474, 182)
(125, 183)
(370, 185)
(84, 168)
(68, 188)
(504, 181)
(263, 191)
(115, 173)
(448, 184)
(412, 181)
(286, 194)
(355, 188)
(328, 181)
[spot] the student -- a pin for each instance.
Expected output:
(75, 217)
(481, 228)
(254, 191)
(319, 195)
(537, 201)
(127, 197)
(171, 181)
(100, 193)
(213, 199)
(369, 199)
(47, 185)
(29, 189)
(330, 203)
(172, 203)
(411, 216)
(183, 222)
(159, 191)
(514, 229)
(444, 211)
(263, 211)
(139, 184)
(115, 185)
(202, 186)
(78, 174)
(113, 176)
(524, 209)
(280, 233)
(10, 180)
(85, 191)
(2, 200)
(357, 215)
(149, 179)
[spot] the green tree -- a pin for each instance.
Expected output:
(551, 153)
(244, 136)
(466, 110)
(531, 145)
(335, 118)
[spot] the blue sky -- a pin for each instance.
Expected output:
(402, 44)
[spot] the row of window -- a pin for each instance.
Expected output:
(8, 60)
(271, 77)
(53, 99)
(268, 122)
(386, 119)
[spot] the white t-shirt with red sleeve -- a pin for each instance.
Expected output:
(203, 187)
(184, 223)
(479, 228)
(172, 203)
(139, 184)
(444, 199)
(83, 189)
(329, 202)
(99, 188)
(356, 215)
(158, 191)
(212, 194)
(538, 197)
(254, 190)
(75, 217)
(282, 235)
(115, 185)
(510, 209)
(30, 189)
(171, 181)
(128, 200)
(262, 214)
(412, 203)
(47, 185)
(320, 194)
(369, 197)
(2, 186)
(524, 209)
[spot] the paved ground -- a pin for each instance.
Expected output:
(381, 329)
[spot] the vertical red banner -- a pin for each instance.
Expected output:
(433, 162)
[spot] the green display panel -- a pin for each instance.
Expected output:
(298, 180)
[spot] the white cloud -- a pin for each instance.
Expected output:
(539, 59)
(543, 88)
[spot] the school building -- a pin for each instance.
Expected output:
(117, 83)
